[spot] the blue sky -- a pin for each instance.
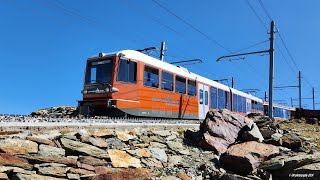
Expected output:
(44, 43)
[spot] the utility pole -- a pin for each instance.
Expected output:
(291, 102)
(271, 70)
(300, 103)
(232, 82)
(163, 45)
(313, 99)
(265, 96)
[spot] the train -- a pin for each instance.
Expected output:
(131, 83)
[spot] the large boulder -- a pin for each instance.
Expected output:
(83, 148)
(247, 155)
(220, 129)
(18, 146)
(291, 141)
(122, 159)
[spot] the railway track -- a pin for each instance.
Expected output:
(16, 120)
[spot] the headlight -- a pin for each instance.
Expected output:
(107, 90)
(84, 91)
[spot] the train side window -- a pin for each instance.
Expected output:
(235, 104)
(151, 76)
(127, 71)
(201, 97)
(180, 85)
(244, 105)
(206, 98)
(239, 104)
(191, 88)
(213, 97)
(227, 100)
(220, 99)
(167, 81)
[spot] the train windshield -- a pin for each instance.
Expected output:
(99, 72)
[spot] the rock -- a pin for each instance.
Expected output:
(45, 150)
(272, 164)
(123, 136)
(103, 133)
(36, 159)
(184, 152)
(171, 137)
(99, 142)
(159, 154)
(310, 171)
(228, 176)
(40, 141)
(122, 159)
(140, 145)
(174, 160)
(9, 160)
(114, 143)
(3, 176)
(183, 176)
(85, 166)
(53, 171)
(175, 146)
(140, 152)
(312, 120)
(220, 129)
(20, 176)
(11, 169)
(291, 141)
(80, 171)
(163, 133)
(92, 161)
(266, 132)
(297, 161)
(82, 148)
(132, 174)
(157, 145)
(275, 139)
(49, 135)
(253, 134)
(170, 178)
(73, 176)
(18, 146)
(247, 155)
(152, 162)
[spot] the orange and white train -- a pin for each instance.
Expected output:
(130, 83)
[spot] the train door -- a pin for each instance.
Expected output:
(203, 102)
(248, 101)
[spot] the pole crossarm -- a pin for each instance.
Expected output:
(242, 54)
(301, 98)
(285, 87)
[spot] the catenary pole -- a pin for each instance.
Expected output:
(300, 103)
(271, 70)
(314, 107)
(163, 44)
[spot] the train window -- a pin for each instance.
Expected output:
(127, 71)
(151, 76)
(239, 104)
(201, 97)
(220, 99)
(99, 72)
(235, 104)
(213, 97)
(227, 100)
(180, 85)
(167, 81)
(244, 107)
(191, 88)
(206, 98)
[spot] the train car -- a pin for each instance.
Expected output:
(131, 83)
(279, 112)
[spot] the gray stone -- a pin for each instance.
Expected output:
(291, 141)
(172, 137)
(99, 142)
(53, 171)
(20, 176)
(176, 146)
(170, 178)
(46, 150)
(272, 164)
(114, 143)
(163, 133)
(174, 160)
(253, 134)
(73, 176)
(158, 145)
(159, 154)
(83, 148)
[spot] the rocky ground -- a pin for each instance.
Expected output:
(226, 146)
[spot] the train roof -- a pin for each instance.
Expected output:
(136, 55)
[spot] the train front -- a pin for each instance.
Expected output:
(98, 86)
